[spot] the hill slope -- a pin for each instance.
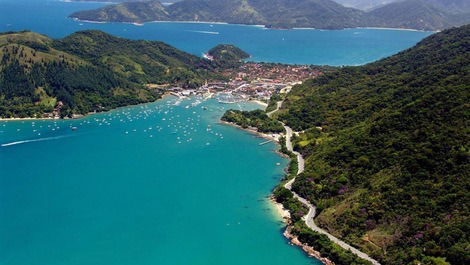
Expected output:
(415, 14)
(390, 168)
(323, 14)
(227, 56)
(87, 71)
(126, 12)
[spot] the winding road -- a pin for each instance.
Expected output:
(308, 218)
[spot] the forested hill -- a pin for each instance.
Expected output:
(322, 14)
(87, 71)
(227, 55)
(389, 168)
(417, 14)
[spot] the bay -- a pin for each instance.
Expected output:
(151, 184)
(297, 46)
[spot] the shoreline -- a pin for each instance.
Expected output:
(283, 213)
(248, 25)
(80, 116)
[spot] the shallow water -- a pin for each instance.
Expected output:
(150, 184)
(156, 183)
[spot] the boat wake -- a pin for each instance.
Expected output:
(35, 140)
(204, 32)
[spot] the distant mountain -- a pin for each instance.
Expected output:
(135, 12)
(87, 71)
(415, 14)
(452, 6)
(323, 14)
(364, 5)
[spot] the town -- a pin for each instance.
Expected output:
(253, 81)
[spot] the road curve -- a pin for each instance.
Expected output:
(308, 218)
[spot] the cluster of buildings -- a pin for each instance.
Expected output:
(258, 81)
(253, 81)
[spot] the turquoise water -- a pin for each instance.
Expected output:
(340, 47)
(149, 184)
(157, 183)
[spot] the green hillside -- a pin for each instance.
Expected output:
(389, 169)
(413, 14)
(226, 55)
(140, 61)
(142, 11)
(87, 71)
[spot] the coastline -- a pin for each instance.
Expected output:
(168, 21)
(249, 25)
(79, 116)
(283, 213)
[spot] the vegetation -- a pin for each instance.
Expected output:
(138, 60)
(416, 14)
(87, 71)
(324, 14)
(326, 247)
(227, 56)
(389, 166)
(449, 6)
(272, 104)
(142, 11)
(297, 210)
(254, 119)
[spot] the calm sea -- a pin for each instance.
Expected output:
(158, 183)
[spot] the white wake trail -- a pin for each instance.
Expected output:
(35, 140)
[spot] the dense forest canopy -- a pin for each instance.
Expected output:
(387, 151)
(227, 55)
(88, 71)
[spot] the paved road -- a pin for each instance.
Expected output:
(308, 218)
(278, 106)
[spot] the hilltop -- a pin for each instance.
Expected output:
(226, 55)
(87, 71)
